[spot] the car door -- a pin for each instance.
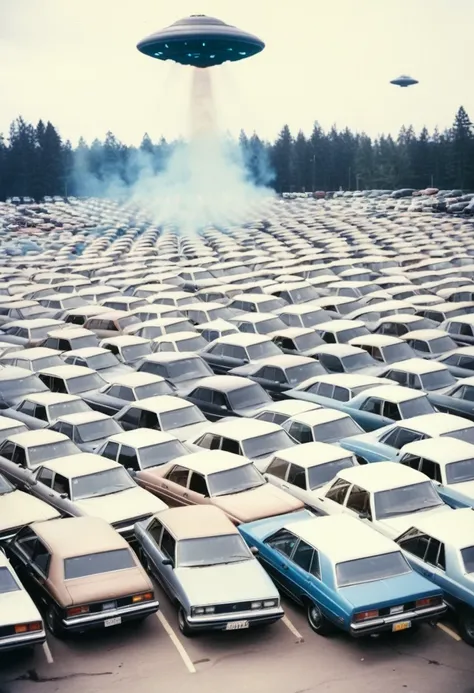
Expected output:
(358, 504)
(277, 471)
(25, 412)
(332, 500)
(304, 577)
(275, 558)
(369, 414)
(296, 482)
(13, 464)
(197, 492)
(22, 551)
(168, 550)
(171, 487)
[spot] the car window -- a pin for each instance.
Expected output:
(61, 484)
(300, 432)
(230, 445)
(202, 394)
(359, 501)
(412, 461)
(19, 456)
(113, 391)
(297, 476)
(131, 416)
(372, 405)
(45, 476)
(41, 557)
(423, 546)
(27, 408)
(27, 540)
(283, 541)
(303, 556)
(198, 484)
(431, 469)
(341, 394)
(128, 457)
(278, 468)
(178, 475)
(40, 413)
(155, 529)
(110, 451)
(331, 363)
(338, 491)
(168, 545)
(398, 437)
(391, 411)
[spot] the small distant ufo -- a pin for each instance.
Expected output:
(201, 41)
(404, 81)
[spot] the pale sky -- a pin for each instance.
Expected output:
(74, 62)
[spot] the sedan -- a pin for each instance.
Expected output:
(322, 425)
(88, 430)
(18, 509)
(111, 398)
(98, 359)
(182, 370)
(278, 374)
(237, 350)
(219, 396)
(44, 409)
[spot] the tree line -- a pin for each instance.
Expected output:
(35, 161)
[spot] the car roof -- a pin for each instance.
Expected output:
(443, 450)
(342, 538)
(425, 334)
(136, 379)
(67, 371)
(78, 536)
(455, 528)
(171, 356)
(467, 318)
(235, 429)
(436, 424)
(123, 340)
(349, 380)
(376, 340)
(6, 423)
(211, 461)
(83, 417)
(300, 308)
(338, 325)
(33, 353)
(142, 437)
(81, 464)
(244, 339)
(339, 350)
(162, 403)
(196, 521)
(394, 393)
(40, 436)
(382, 476)
(417, 366)
(14, 372)
(290, 406)
(88, 351)
(316, 417)
(68, 331)
(312, 454)
(47, 398)
(225, 383)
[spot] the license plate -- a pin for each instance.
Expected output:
(107, 606)
(403, 625)
(237, 625)
(112, 622)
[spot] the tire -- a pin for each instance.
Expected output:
(317, 621)
(183, 624)
(466, 625)
(54, 624)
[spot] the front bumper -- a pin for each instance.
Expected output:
(219, 621)
(97, 620)
(386, 623)
(17, 642)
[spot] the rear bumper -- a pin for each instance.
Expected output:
(17, 642)
(220, 621)
(97, 620)
(387, 623)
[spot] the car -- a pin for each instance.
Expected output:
(21, 625)
(383, 443)
(42, 410)
(202, 562)
(236, 350)
(346, 576)
(459, 362)
(128, 349)
(72, 380)
(345, 358)
(220, 396)
(399, 324)
(420, 374)
(216, 328)
(440, 547)
(280, 411)
(387, 496)
(303, 315)
(182, 369)
(198, 312)
(322, 425)
(21, 310)
(16, 383)
(299, 341)
(131, 387)
(303, 469)
(82, 573)
(278, 374)
(384, 349)
(87, 430)
(230, 482)
(149, 329)
(457, 399)
(256, 303)
(258, 323)
(341, 331)
(9, 427)
(93, 486)
(164, 413)
(110, 323)
(79, 316)
(34, 359)
(180, 341)
(460, 328)
(429, 344)
(69, 338)
(257, 440)
(97, 359)
(18, 509)
(141, 448)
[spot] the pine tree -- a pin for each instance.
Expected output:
(281, 159)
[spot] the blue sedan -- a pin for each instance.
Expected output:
(345, 574)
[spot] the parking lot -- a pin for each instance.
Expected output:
(284, 658)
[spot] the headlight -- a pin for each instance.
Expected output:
(201, 610)
(256, 605)
(270, 603)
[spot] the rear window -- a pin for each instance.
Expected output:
(371, 568)
(95, 563)
(7, 582)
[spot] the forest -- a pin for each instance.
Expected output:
(35, 160)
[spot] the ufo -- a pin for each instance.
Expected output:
(201, 41)
(404, 81)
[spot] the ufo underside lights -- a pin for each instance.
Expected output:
(201, 41)
(404, 81)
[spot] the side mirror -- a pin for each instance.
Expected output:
(364, 516)
(131, 471)
(63, 495)
(254, 550)
(166, 561)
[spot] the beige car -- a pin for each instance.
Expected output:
(18, 509)
(83, 572)
(21, 624)
(231, 482)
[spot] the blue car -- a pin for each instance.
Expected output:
(441, 548)
(372, 402)
(346, 575)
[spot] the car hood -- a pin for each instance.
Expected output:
(397, 525)
(264, 501)
(17, 607)
(105, 586)
(389, 592)
(188, 432)
(19, 509)
(125, 505)
(224, 584)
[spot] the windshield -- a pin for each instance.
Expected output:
(64, 408)
(465, 434)
(95, 563)
(437, 379)
(220, 314)
(101, 484)
(178, 326)
(458, 472)
(355, 362)
(307, 341)
(191, 344)
(51, 451)
(206, 551)
(261, 446)
(128, 320)
(40, 332)
(343, 336)
(441, 345)
(5, 486)
(30, 311)
(155, 455)
(153, 390)
(306, 293)
(270, 325)
(188, 369)
(270, 306)
(82, 342)
(333, 431)
(397, 352)
(46, 362)
(248, 396)
(102, 361)
(381, 567)
(259, 351)
(235, 480)
(72, 302)
(95, 430)
(416, 407)
(83, 383)
(468, 559)
(7, 581)
(298, 374)
(135, 352)
(19, 387)
(406, 499)
(322, 473)
(348, 307)
(186, 416)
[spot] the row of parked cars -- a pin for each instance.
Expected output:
(280, 408)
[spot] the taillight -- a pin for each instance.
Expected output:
(366, 615)
(77, 610)
(142, 597)
(428, 601)
(28, 627)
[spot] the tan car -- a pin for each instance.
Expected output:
(110, 323)
(18, 509)
(83, 573)
(231, 482)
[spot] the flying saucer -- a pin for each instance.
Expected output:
(404, 81)
(201, 41)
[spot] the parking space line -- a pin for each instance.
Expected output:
(450, 632)
(292, 629)
(47, 653)
(176, 642)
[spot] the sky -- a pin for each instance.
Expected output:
(75, 63)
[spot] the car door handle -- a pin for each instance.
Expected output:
(285, 486)
(165, 486)
(284, 566)
(185, 495)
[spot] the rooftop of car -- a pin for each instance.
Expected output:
(171, 356)
(41, 436)
(6, 423)
(375, 340)
(316, 417)
(81, 464)
(394, 393)
(455, 528)
(47, 398)
(382, 476)
(235, 429)
(67, 371)
(124, 340)
(212, 461)
(196, 521)
(242, 339)
(418, 366)
(290, 407)
(142, 438)
(161, 403)
(78, 536)
(443, 450)
(349, 380)
(312, 454)
(339, 350)
(69, 332)
(338, 325)
(425, 334)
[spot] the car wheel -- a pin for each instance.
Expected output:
(317, 620)
(53, 623)
(466, 625)
(183, 623)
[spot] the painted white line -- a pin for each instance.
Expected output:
(176, 642)
(292, 629)
(47, 653)
(450, 632)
